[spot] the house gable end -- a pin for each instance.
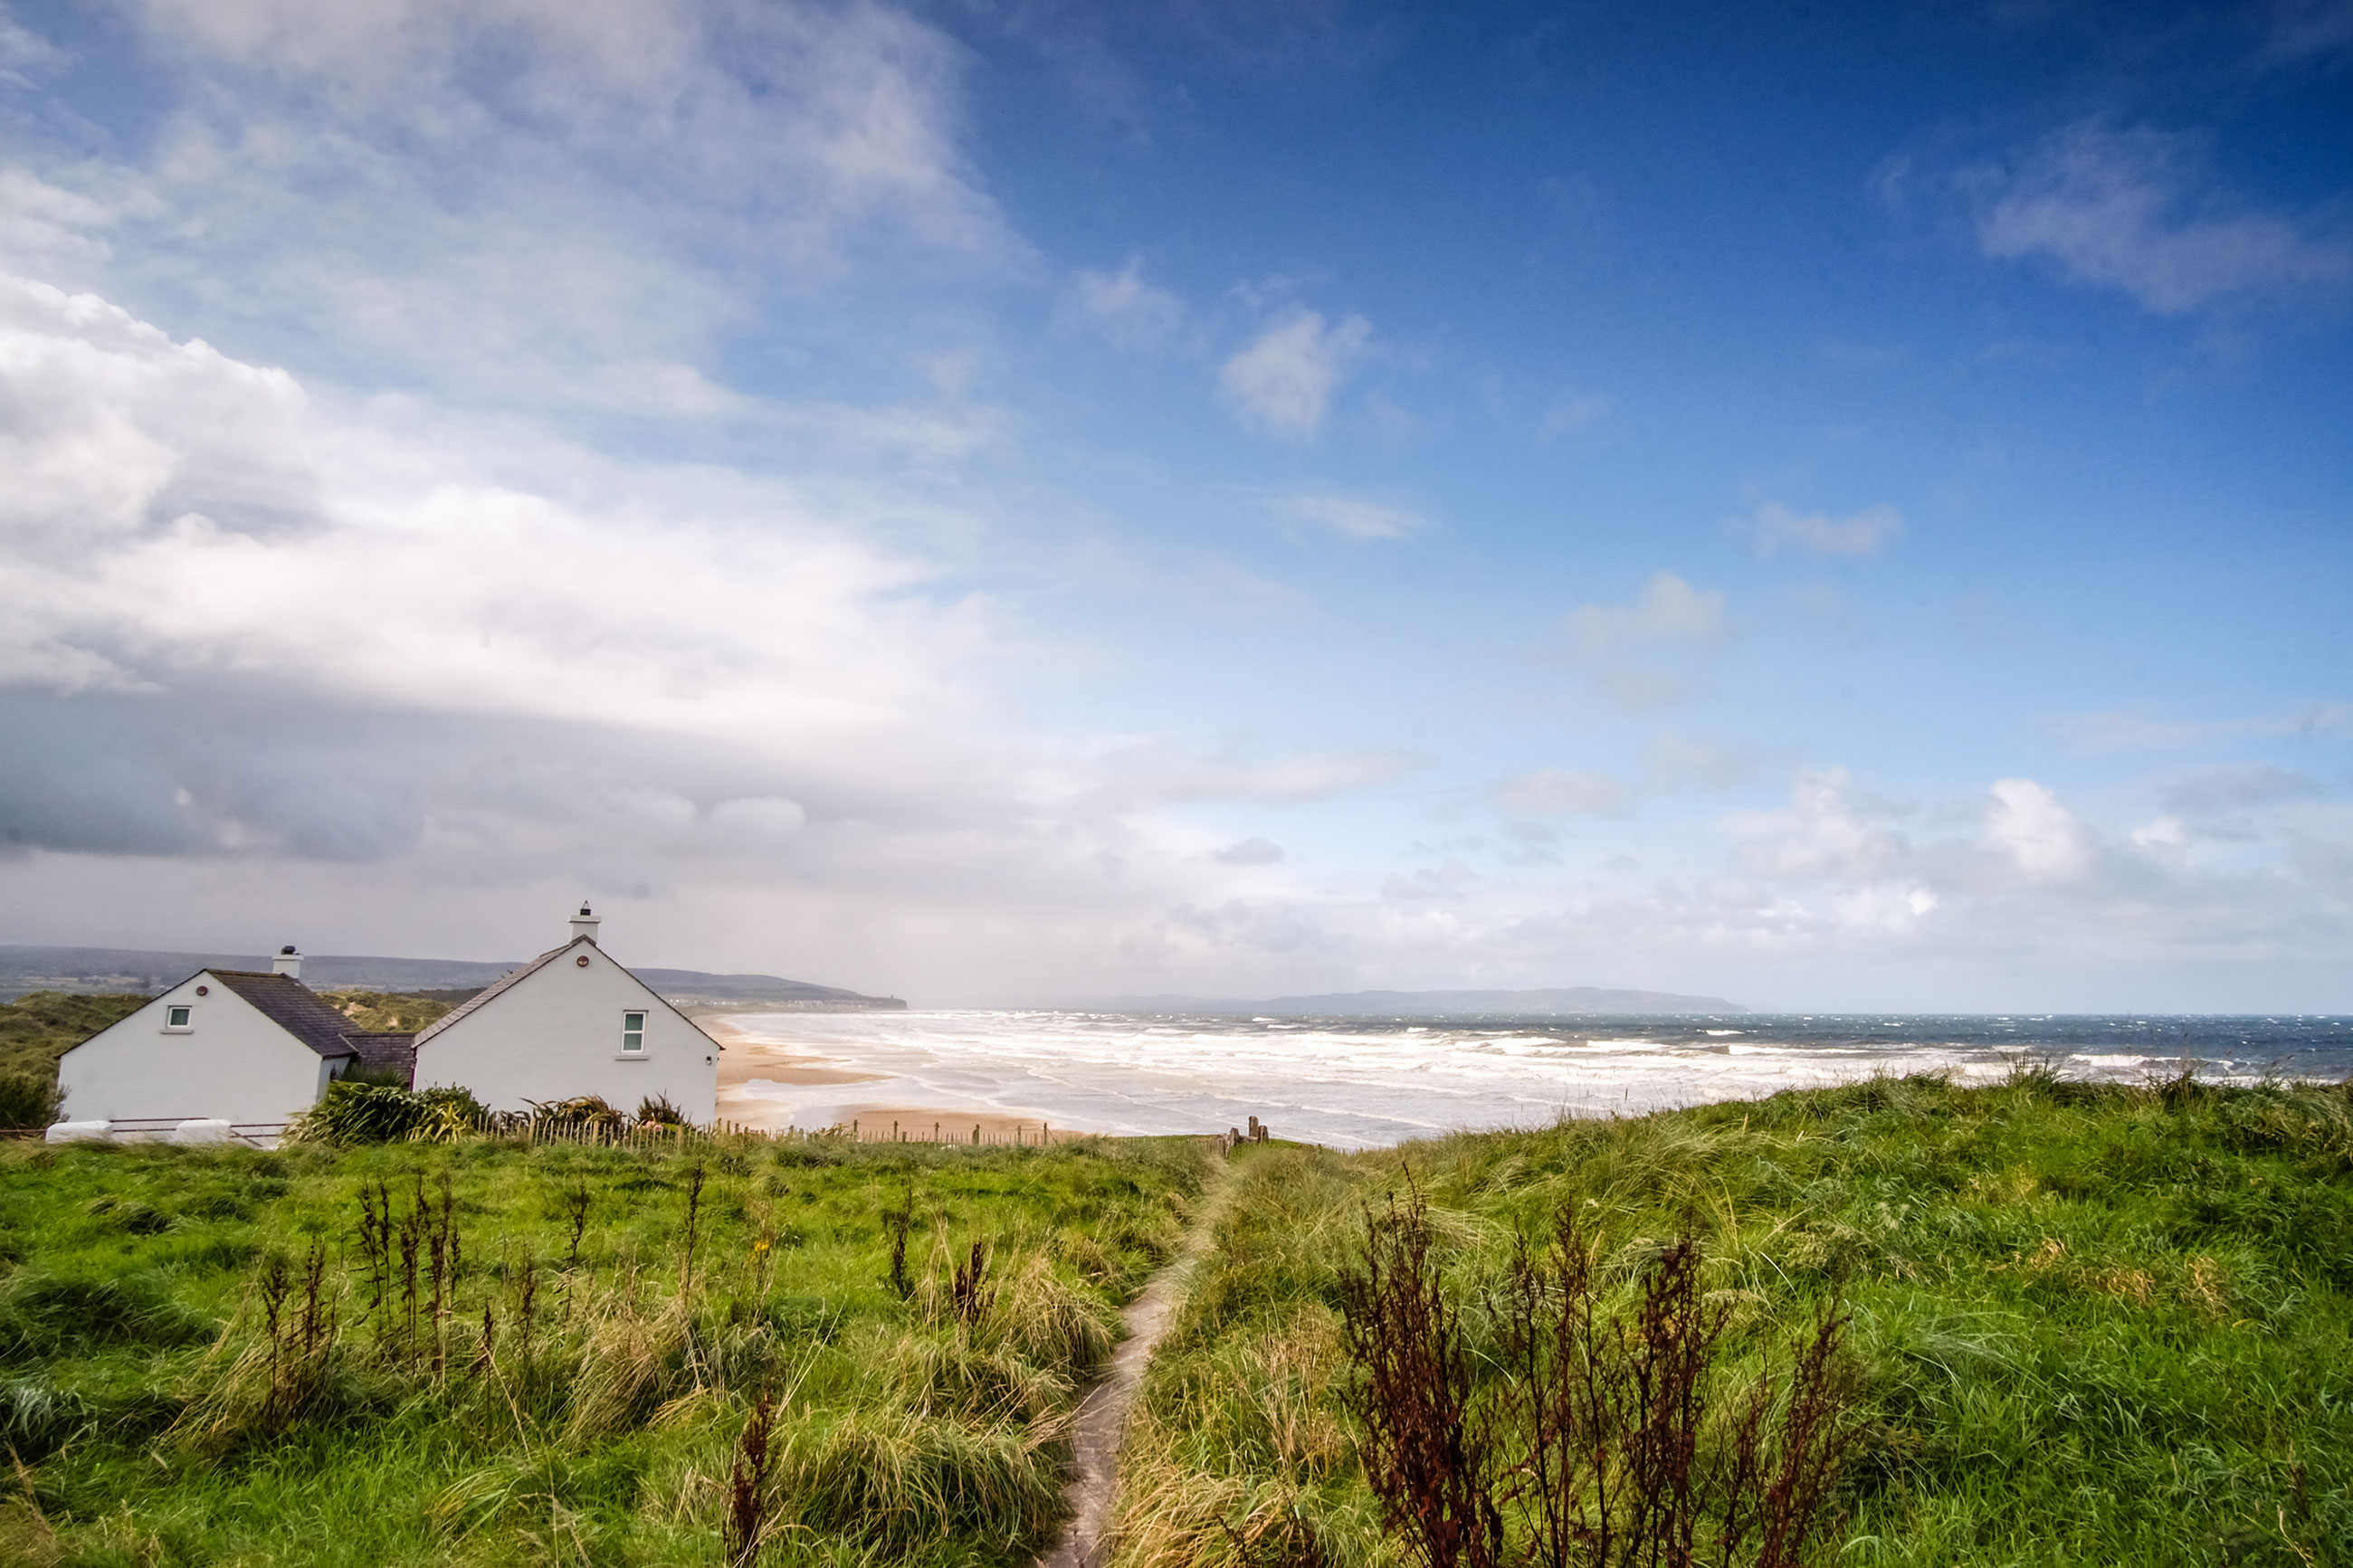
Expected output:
(580, 947)
(149, 1020)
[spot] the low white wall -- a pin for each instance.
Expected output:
(232, 1064)
(557, 1033)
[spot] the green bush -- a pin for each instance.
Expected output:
(353, 1111)
(29, 1098)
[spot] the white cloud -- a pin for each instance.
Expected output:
(24, 56)
(1821, 835)
(1556, 792)
(2136, 209)
(1249, 852)
(2038, 831)
(564, 205)
(1129, 312)
(1669, 610)
(177, 513)
(1776, 528)
(1362, 521)
(1284, 383)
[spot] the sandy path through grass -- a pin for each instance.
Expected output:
(1103, 1413)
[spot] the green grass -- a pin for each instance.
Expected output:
(2091, 1325)
(139, 1395)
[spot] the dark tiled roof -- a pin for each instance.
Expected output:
(384, 1049)
(503, 982)
(292, 1006)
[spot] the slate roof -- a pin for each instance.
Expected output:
(385, 1049)
(293, 1008)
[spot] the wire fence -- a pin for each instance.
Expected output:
(538, 1129)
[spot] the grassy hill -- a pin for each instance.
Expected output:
(2082, 1325)
(2090, 1325)
(490, 1353)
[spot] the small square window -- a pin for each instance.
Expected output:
(633, 1031)
(178, 1017)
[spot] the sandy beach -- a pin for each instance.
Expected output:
(751, 1070)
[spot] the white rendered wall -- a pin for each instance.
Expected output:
(233, 1063)
(556, 1033)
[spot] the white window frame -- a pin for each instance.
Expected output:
(180, 1019)
(637, 1050)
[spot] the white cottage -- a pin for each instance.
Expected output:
(224, 1044)
(572, 1022)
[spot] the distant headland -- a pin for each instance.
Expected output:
(104, 969)
(1562, 1001)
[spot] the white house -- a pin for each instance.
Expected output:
(223, 1045)
(572, 1022)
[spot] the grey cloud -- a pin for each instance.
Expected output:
(1249, 852)
(1557, 792)
(113, 775)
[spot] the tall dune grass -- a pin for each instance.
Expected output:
(2090, 1324)
(479, 1351)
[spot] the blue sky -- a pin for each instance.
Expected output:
(1831, 507)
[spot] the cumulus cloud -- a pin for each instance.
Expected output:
(1129, 312)
(1360, 522)
(2137, 209)
(244, 627)
(1823, 834)
(2038, 831)
(1283, 384)
(1775, 528)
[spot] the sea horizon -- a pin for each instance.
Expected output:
(1369, 1081)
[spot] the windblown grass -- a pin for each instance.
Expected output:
(479, 1351)
(2090, 1325)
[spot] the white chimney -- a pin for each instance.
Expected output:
(584, 924)
(288, 962)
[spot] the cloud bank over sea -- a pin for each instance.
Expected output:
(1007, 509)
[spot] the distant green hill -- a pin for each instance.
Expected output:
(87, 970)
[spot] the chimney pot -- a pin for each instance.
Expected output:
(584, 923)
(288, 962)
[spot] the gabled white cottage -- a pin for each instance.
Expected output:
(572, 1022)
(224, 1044)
